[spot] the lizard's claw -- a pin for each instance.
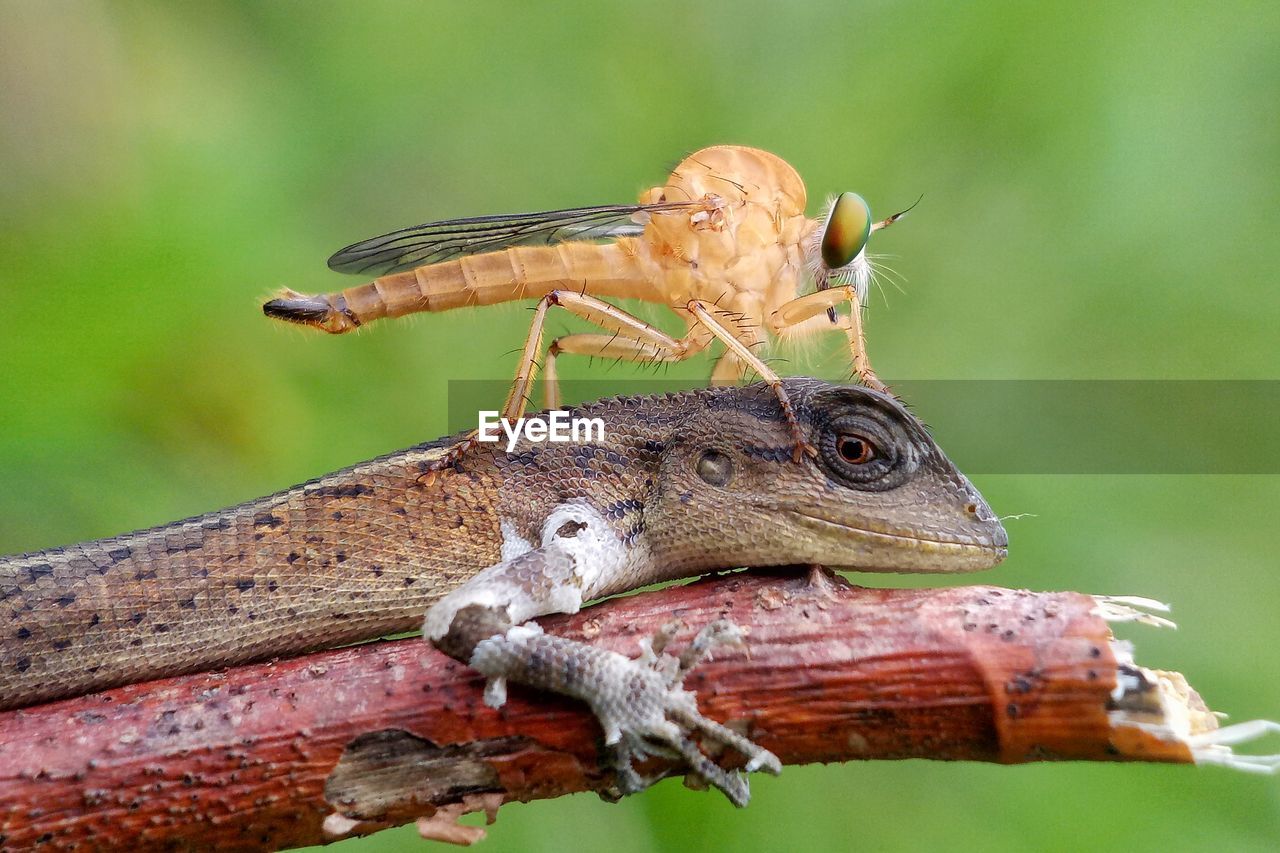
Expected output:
(648, 713)
(641, 703)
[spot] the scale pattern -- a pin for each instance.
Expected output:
(366, 551)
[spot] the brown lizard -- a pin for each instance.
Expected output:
(679, 485)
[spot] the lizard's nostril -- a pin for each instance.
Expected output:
(971, 508)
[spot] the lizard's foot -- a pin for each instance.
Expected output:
(641, 703)
(646, 712)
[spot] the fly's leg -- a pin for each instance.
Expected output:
(811, 305)
(632, 339)
(729, 369)
(517, 397)
(735, 345)
(650, 348)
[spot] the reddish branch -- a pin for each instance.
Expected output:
(259, 757)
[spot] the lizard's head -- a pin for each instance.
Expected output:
(879, 496)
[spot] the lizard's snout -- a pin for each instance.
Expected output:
(976, 505)
(978, 526)
(981, 514)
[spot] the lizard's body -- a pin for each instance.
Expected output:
(357, 554)
(679, 485)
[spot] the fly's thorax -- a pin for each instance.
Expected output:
(752, 218)
(879, 496)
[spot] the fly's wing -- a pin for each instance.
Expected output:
(434, 242)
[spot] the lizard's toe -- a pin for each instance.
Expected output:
(656, 716)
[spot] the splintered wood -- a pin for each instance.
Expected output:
(346, 742)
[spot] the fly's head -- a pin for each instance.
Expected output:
(836, 253)
(879, 496)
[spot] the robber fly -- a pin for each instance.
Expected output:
(724, 242)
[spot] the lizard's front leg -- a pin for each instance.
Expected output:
(641, 703)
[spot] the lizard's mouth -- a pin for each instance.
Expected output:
(870, 547)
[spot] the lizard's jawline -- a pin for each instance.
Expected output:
(990, 554)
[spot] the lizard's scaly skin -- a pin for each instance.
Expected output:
(365, 551)
(344, 558)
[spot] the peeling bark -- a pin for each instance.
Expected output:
(350, 741)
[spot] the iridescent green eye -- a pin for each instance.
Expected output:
(847, 230)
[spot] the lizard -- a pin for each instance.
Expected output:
(679, 485)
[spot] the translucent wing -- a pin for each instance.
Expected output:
(434, 242)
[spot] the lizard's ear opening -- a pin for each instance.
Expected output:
(714, 467)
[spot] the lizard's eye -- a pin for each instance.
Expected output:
(855, 449)
(862, 451)
(847, 230)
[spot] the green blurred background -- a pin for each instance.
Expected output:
(1102, 199)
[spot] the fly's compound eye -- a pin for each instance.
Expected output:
(847, 230)
(855, 449)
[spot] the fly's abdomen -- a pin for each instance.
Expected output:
(521, 272)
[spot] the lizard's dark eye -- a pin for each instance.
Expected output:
(855, 449)
(862, 450)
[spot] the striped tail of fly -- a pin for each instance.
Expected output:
(521, 272)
